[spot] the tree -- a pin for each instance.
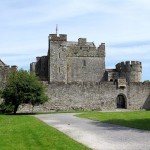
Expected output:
(23, 88)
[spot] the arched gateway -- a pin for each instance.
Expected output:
(121, 101)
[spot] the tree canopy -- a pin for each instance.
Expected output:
(23, 88)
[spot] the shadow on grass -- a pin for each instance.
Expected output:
(19, 114)
(120, 124)
(38, 113)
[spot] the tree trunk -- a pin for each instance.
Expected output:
(15, 109)
(32, 108)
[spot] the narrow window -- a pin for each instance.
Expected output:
(59, 55)
(84, 63)
(59, 69)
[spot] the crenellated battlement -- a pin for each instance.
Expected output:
(131, 70)
(101, 50)
(129, 66)
(129, 63)
(4, 72)
(82, 41)
(7, 67)
(4, 67)
(136, 63)
(60, 37)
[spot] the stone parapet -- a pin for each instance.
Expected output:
(60, 37)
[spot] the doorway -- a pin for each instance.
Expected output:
(121, 101)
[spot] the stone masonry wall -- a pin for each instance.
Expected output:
(4, 72)
(40, 67)
(89, 96)
(138, 95)
(85, 69)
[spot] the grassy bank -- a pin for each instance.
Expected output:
(29, 133)
(139, 120)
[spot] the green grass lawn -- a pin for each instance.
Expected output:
(139, 120)
(29, 133)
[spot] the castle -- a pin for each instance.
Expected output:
(81, 61)
(77, 78)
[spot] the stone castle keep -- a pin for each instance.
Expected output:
(77, 78)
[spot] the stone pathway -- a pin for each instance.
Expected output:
(96, 135)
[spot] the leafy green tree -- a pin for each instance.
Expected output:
(23, 88)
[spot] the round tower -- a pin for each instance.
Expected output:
(132, 71)
(135, 74)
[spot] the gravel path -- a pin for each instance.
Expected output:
(96, 135)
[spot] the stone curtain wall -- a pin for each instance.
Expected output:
(90, 96)
(78, 96)
(138, 96)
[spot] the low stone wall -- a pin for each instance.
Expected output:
(88, 96)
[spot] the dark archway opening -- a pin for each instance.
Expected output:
(121, 101)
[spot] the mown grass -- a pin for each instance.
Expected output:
(139, 120)
(29, 133)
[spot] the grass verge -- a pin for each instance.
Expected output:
(139, 120)
(29, 133)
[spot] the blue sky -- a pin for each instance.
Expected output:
(124, 26)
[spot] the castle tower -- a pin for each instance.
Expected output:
(132, 71)
(57, 58)
(135, 74)
(74, 61)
